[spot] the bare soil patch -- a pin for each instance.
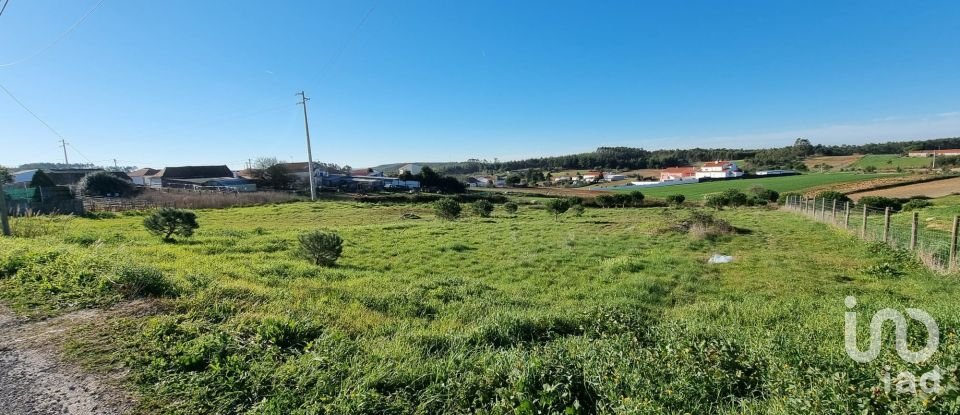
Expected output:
(34, 379)
(937, 188)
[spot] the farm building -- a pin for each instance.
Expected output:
(23, 176)
(198, 177)
(677, 173)
(139, 176)
(719, 170)
(775, 172)
(366, 183)
(931, 153)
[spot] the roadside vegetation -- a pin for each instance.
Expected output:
(614, 311)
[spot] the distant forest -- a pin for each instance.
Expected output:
(621, 158)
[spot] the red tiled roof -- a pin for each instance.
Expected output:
(679, 170)
(715, 163)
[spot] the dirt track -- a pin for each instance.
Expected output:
(930, 189)
(34, 380)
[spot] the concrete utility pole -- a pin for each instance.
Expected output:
(115, 166)
(306, 127)
(63, 143)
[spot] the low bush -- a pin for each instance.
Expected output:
(321, 247)
(676, 200)
(577, 210)
(510, 207)
(558, 207)
(447, 208)
(880, 202)
(104, 184)
(915, 204)
(482, 208)
(167, 222)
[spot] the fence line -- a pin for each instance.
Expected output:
(935, 248)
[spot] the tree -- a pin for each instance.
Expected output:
(605, 200)
(636, 198)
(41, 179)
(558, 207)
(870, 169)
(676, 199)
(167, 222)
(510, 207)
(482, 208)
(5, 176)
(321, 247)
(104, 184)
(271, 172)
(447, 208)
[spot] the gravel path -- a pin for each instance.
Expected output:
(33, 380)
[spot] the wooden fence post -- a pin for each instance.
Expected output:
(913, 230)
(4, 223)
(886, 224)
(952, 266)
(846, 215)
(834, 212)
(823, 209)
(863, 228)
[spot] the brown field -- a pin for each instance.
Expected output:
(863, 185)
(937, 188)
(837, 162)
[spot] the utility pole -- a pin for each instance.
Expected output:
(306, 127)
(63, 143)
(115, 166)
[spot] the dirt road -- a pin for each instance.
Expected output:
(34, 380)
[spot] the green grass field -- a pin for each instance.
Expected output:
(612, 312)
(892, 161)
(696, 191)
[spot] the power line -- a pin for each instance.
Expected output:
(4, 7)
(349, 40)
(58, 39)
(10, 94)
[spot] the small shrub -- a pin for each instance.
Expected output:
(915, 204)
(784, 197)
(763, 194)
(636, 198)
(716, 201)
(321, 247)
(880, 202)
(133, 281)
(870, 169)
(447, 208)
(482, 208)
(167, 222)
(735, 197)
(676, 200)
(510, 207)
(884, 271)
(577, 210)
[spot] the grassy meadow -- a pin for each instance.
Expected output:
(616, 311)
(697, 191)
(892, 161)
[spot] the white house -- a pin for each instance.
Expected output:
(612, 177)
(139, 176)
(412, 168)
(591, 176)
(719, 170)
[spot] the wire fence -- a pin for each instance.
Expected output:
(936, 248)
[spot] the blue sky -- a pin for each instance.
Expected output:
(206, 82)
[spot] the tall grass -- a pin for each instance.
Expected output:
(604, 313)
